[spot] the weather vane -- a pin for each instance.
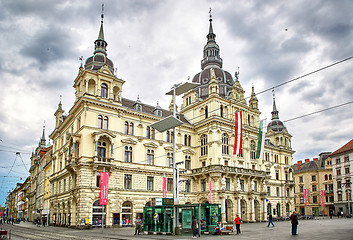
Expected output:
(81, 59)
(210, 12)
(102, 15)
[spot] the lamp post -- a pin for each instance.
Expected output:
(347, 185)
(173, 122)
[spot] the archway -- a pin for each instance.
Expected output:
(97, 214)
(126, 214)
(243, 212)
(278, 209)
(229, 211)
(257, 208)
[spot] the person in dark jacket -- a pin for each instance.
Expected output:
(194, 227)
(294, 221)
(270, 220)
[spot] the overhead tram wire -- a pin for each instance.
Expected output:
(19, 154)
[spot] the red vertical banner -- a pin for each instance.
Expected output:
(104, 188)
(285, 196)
(238, 133)
(305, 195)
(210, 191)
(322, 197)
(164, 187)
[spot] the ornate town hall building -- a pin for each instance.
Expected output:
(103, 131)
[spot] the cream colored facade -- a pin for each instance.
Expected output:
(315, 176)
(105, 132)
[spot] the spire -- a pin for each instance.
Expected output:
(274, 112)
(253, 100)
(42, 142)
(211, 50)
(99, 58)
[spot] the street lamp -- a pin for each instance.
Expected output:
(347, 185)
(173, 122)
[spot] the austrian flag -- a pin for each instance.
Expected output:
(238, 133)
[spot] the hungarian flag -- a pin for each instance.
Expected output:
(261, 141)
(104, 188)
(238, 133)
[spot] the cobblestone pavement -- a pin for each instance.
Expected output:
(322, 228)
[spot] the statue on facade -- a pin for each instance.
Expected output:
(223, 181)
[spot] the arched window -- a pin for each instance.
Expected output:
(128, 154)
(100, 121)
(105, 123)
(225, 146)
(204, 149)
(126, 128)
(252, 149)
(330, 177)
(170, 136)
(326, 177)
(148, 132)
(249, 120)
(150, 157)
(221, 111)
(131, 129)
(104, 90)
(206, 112)
(187, 140)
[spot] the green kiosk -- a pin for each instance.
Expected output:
(159, 218)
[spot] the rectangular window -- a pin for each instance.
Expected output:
(300, 179)
(286, 160)
(339, 197)
(301, 199)
(150, 183)
(127, 181)
(313, 178)
(277, 175)
(339, 185)
(269, 191)
(203, 185)
(338, 160)
(170, 184)
(314, 187)
(338, 172)
(346, 170)
(277, 191)
(346, 159)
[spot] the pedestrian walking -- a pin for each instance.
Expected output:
(138, 223)
(194, 227)
(237, 221)
(270, 220)
(294, 222)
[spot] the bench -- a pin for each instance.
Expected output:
(227, 229)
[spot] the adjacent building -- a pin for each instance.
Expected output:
(314, 186)
(342, 168)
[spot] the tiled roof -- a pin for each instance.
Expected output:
(149, 109)
(347, 147)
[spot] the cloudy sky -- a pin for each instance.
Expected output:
(155, 44)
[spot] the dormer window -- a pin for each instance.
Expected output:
(104, 90)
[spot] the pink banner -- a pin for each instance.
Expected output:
(210, 191)
(322, 197)
(104, 188)
(305, 194)
(164, 187)
(285, 196)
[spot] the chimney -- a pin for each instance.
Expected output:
(298, 166)
(315, 159)
(300, 162)
(307, 160)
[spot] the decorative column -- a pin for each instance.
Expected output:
(265, 209)
(86, 86)
(239, 208)
(223, 210)
(252, 210)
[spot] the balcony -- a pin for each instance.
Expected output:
(290, 182)
(229, 169)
